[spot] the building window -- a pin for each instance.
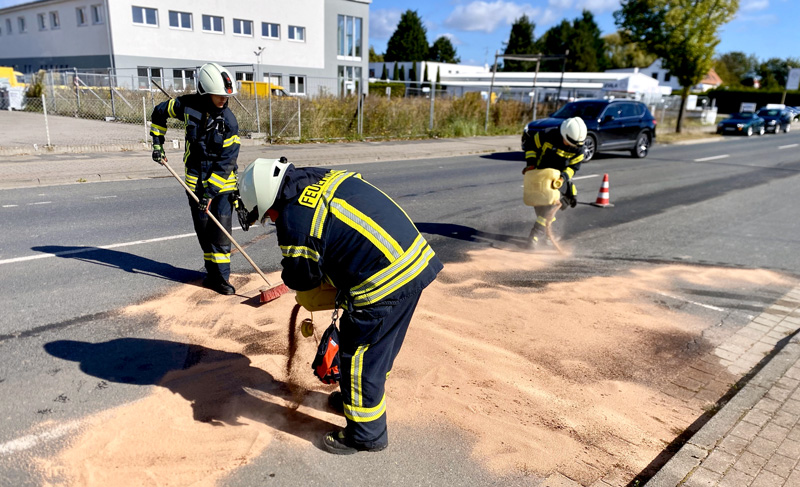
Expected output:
(145, 74)
(42, 21)
(297, 33)
(145, 16)
(349, 37)
(55, 23)
(655, 75)
(349, 80)
(212, 24)
(667, 77)
(180, 20)
(97, 14)
(183, 79)
(80, 14)
(271, 31)
(243, 27)
(8, 26)
(244, 76)
(21, 22)
(297, 85)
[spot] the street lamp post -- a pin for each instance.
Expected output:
(257, 52)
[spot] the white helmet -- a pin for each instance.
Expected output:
(213, 79)
(574, 131)
(260, 182)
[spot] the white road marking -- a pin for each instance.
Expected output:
(787, 146)
(10, 206)
(691, 302)
(29, 441)
(40, 203)
(586, 177)
(103, 197)
(712, 158)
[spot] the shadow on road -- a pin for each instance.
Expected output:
(122, 260)
(469, 234)
(221, 386)
(518, 156)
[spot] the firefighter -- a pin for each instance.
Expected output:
(212, 147)
(336, 229)
(561, 149)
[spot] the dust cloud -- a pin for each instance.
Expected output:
(545, 376)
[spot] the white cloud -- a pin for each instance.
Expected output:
(764, 20)
(485, 16)
(453, 38)
(382, 23)
(754, 5)
(598, 6)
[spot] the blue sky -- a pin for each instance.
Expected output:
(478, 28)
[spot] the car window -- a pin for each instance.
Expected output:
(768, 113)
(639, 108)
(583, 110)
(743, 115)
(612, 110)
(627, 110)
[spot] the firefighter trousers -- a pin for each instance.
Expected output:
(370, 339)
(216, 246)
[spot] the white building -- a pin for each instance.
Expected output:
(308, 45)
(663, 76)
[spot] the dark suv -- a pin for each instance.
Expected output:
(613, 125)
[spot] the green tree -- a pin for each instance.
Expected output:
(396, 72)
(683, 33)
(373, 57)
(520, 41)
(412, 74)
(555, 41)
(623, 54)
(402, 73)
(734, 67)
(408, 42)
(774, 72)
(442, 51)
(587, 49)
(384, 73)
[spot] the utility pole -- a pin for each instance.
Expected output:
(255, 85)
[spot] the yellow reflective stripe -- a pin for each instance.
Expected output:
(541, 221)
(328, 190)
(171, 108)
(191, 181)
(530, 154)
(398, 282)
(157, 129)
(356, 367)
(217, 258)
(564, 153)
(300, 251)
(537, 141)
(186, 152)
(545, 146)
(217, 181)
(379, 278)
(570, 172)
(576, 160)
(232, 140)
(367, 227)
(365, 415)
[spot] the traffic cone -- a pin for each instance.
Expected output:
(602, 195)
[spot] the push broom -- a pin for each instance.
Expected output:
(272, 292)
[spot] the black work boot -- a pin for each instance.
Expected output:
(336, 402)
(337, 443)
(219, 285)
(537, 236)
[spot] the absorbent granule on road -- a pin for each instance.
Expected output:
(544, 375)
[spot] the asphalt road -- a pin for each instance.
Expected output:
(71, 256)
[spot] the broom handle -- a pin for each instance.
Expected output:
(214, 219)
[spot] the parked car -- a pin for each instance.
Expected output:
(795, 112)
(776, 119)
(613, 125)
(743, 123)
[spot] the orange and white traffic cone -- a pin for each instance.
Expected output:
(602, 195)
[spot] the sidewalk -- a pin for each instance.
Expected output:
(49, 169)
(754, 439)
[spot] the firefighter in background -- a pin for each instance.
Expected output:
(553, 160)
(336, 230)
(212, 147)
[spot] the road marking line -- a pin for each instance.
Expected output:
(586, 177)
(29, 441)
(92, 249)
(788, 146)
(712, 158)
(103, 197)
(10, 206)
(692, 302)
(40, 203)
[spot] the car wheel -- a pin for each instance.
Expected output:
(749, 131)
(762, 131)
(589, 148)
(642, 146)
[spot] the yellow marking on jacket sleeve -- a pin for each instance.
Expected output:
(171, 108)
(531, 154)
(577, 159)
(292, 251)
(232, 140)
(217, 181)
(157, 129)
(537, 141)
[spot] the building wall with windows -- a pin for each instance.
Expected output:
(169, 39)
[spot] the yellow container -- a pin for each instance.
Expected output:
(541, 187)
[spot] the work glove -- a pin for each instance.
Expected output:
(158, 153)
(241, 213)
(527, 168)
(204, 203)
(568, 194)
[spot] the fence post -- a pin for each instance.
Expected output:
(46, 125)
(144, 119)
(299, 132)
(255, 92)
(77, 92)
(269, 102)
(111, 92)
(52, 88)
(433, 94)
